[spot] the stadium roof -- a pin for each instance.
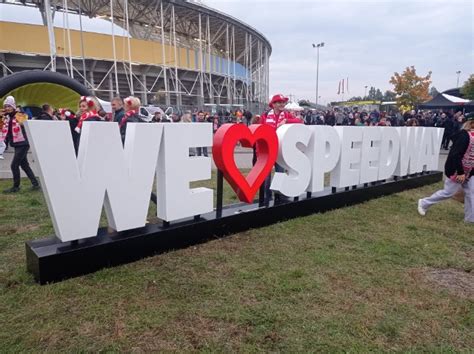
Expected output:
(144, 18)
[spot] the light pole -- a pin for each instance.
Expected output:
(457, 82)
(317, 46)
(365, 91)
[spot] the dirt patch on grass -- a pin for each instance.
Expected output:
(191, 333)
(456, 281)
(27, 228)
(8, 230)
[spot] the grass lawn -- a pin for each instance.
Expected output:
(354, 279)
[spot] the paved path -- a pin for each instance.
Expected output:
(243, 159)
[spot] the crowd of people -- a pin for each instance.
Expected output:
(124, 111)
(451, 121)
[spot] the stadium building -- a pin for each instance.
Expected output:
(169, 52)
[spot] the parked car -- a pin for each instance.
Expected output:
(148, 112)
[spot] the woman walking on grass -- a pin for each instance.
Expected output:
(459, 170)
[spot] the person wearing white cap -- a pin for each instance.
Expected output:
(14, 132)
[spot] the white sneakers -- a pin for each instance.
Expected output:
(421, 210)
(1, 157)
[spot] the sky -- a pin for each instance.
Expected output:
(365, 41)
(31, 15)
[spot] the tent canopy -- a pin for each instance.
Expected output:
(293, 106)
(443, 100)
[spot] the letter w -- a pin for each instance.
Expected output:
(104, 174)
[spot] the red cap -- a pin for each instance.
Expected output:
(278, 98)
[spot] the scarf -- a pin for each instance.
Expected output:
(468, 158)
(126, 116)
(85, 116)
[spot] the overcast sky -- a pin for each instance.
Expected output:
(366, 41)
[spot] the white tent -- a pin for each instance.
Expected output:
(293, 106)
(454, 99)
(106, 106)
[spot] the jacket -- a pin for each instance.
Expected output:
(453, 163)
(271, 119)
(44, 116)
(129, 117)
(14, 130)
(118, 115)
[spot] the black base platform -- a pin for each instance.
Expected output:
(50, 260)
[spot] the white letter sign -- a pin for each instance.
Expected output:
(105, 173)
(176, 170)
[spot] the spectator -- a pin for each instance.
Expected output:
(448, 125)
(330, 118)
(47, 113)
(201, 119)
(383, 122)
(216, 123)
(67, 114)
(276, 117)
(175, 118)
(374, 116)
(187, 118)
(339, 116)
(14, 132)
(117, 109)
(88, 107)
(156, 117)
(131, 107)
(3, 145)
(248, 117)
(457, 124)
(412, 122)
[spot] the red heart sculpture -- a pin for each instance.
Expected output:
(226, 139)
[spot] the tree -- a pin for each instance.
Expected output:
(433, 91)
(378, 95)
(410, 88)
(371, 95)
(374, 94)
(389, 96)
(468, 88)
(355, 98)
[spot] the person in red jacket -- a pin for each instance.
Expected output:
(276, 117)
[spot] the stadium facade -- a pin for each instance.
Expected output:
(169, 52)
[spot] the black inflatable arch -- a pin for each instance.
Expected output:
(34, 88)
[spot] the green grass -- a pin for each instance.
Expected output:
(346, 280)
